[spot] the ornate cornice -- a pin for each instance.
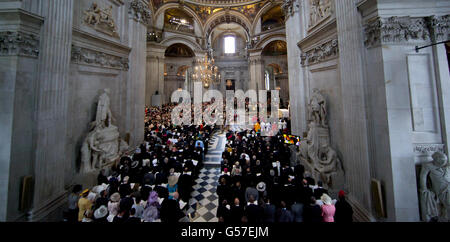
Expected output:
(396, 30)
(320, 53)
(98, 59)
(141, 11)
(19, 43)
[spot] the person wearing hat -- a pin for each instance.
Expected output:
(261, 187)
(344, 211)
(328, 209)
(113, 206)
(84, 204)
(101, 214)
(172, 185)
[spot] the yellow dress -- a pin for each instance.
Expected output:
(84, 204)
(257, 127)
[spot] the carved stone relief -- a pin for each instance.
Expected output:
(18, 43)
(406, 29)
(99, 59)
(101, 19)
(318, 11)
(320, 53)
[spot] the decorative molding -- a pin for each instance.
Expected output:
(99, 59)
(441, 26)
(19, 43)
(141, 11)
(290, 7)
(320, 53)
(396, 30)
(428, 148)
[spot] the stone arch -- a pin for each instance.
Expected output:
(269, 39)
(186, 9)
(227, 17)
(261, 12)
(181, 40)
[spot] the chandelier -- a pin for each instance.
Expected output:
(206, 72)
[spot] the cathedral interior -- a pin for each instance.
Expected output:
(365, 82)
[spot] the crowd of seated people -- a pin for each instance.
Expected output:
(151, 185)
(259, 185)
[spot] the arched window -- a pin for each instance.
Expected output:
(230, 44)
(267, 78)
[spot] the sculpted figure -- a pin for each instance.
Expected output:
(90, 153)
(318, 109)
(104, 115)
(93, 14)
(435, 197)
(327, 163)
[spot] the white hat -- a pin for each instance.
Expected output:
(326, 199)
(261, 187)
(101, 212)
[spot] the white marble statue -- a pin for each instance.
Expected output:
(102, 145)
(104, 115)
(435, 197)
(317, 108)
(315, 152)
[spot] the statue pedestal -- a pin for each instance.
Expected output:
(108, 141)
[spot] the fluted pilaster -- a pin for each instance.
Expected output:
(355, 153)
(52, 101)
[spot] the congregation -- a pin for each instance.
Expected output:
(259, 183)
(153, 184)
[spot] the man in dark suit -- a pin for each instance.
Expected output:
(284, 215)
(237, 212)
(170, 210)
(269, 212)
(132, 219)
(253, 212)
(318, 192)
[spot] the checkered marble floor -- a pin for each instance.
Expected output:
(204, 201)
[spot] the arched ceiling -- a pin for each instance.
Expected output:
(206, 9)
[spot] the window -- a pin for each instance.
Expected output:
(230, 45)
(267, 78)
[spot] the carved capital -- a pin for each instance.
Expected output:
(396, 30)
(140, 11)
(440, 27)
(19, 43)
(290, 7)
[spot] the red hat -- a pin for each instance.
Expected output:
(225, 170)
(341, 193)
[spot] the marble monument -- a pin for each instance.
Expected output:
(103, 144)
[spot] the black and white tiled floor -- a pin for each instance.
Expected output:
(204, 202)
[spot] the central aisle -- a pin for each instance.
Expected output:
(204, 202)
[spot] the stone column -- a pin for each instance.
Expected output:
(139, 19)
(18, 68)
(256, 71)
(155, 72)
(51, 107)
(355, 148)
(297, 85)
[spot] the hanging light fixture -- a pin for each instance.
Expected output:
(206, 72)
